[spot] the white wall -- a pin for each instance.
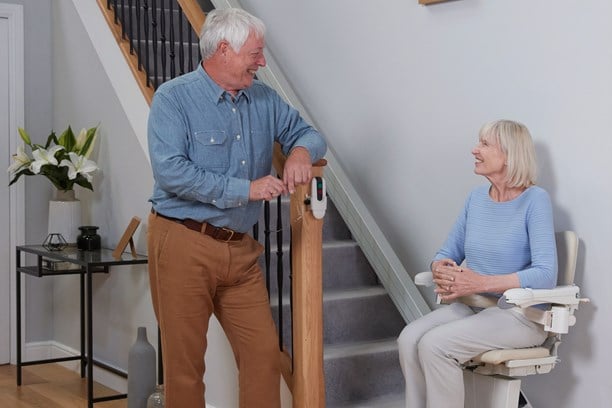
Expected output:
(84, 97)
(401, 90)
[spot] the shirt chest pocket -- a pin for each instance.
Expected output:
(211, 149)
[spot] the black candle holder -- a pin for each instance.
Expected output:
(54, 242)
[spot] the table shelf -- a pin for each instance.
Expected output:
(74, 262)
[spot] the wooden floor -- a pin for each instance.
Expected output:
(49, 386)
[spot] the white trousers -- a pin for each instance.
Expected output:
(433, 348)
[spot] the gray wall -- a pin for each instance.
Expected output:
(401, 90)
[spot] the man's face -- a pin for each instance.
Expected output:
(241, 66)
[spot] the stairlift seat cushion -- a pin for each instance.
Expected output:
(501, 356)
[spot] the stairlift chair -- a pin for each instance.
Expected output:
(490, 377)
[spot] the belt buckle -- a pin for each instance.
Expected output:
(231, 233)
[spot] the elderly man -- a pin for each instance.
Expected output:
(211, 137)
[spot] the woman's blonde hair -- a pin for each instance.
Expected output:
(515, 141)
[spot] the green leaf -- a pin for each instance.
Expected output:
(83, 182)
(51, 138)
(67, 139)
(24, 172)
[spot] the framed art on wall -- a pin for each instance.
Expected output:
(426, 2)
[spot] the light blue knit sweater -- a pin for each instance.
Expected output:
(501, 238)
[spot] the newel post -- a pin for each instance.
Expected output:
(307, 270)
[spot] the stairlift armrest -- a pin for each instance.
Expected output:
(567, 295)
(424, 279)
(560, 316)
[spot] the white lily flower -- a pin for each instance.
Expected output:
(81, 139)
(43, 157)
(21, 160)
(79, 165)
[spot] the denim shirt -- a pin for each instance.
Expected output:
(206, 146)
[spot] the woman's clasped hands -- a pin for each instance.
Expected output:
(453, 281)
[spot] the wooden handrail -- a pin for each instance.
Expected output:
(194, 14)
(304, 373)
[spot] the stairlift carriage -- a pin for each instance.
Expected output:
(490, 378)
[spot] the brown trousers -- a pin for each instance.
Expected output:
(192, 276)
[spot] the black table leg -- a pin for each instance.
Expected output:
(18, 310)
(82, 305)
(90, 355)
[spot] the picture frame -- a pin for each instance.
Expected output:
(127, 238)
(427, 2)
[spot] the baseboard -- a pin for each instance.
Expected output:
(51, 349)
(40, 350)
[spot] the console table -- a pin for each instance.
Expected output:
(71, 261)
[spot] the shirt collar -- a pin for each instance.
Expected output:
(215, 92)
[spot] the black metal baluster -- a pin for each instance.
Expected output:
(130, 27)
(279, 268)
(267, 244)
(190, 50)
(146, 41)
(172, 45)
(162, 39)
(154, 41)
(123, 19)
(256, 231)
(291, 290)
(138, 28)
(116, 17)
(181, 44)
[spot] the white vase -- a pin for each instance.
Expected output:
(65, 215)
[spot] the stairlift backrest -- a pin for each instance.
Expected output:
(567, 254)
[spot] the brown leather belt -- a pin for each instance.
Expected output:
(218, 233)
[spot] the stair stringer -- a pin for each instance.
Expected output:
(116, 67)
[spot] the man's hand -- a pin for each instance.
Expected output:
(266, 188)
(298, 169)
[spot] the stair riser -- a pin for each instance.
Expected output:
(344, 267)
(362, 377)
(334, 228)
(352, 320)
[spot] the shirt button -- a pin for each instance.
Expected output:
(233, 109)
(238, 137)
(214, 201)
(212, 140)
(243, 162)
(239, 204)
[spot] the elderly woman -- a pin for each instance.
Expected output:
(503, 239)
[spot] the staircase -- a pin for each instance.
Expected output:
(360, 322)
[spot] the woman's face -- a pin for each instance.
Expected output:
(490, 159)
